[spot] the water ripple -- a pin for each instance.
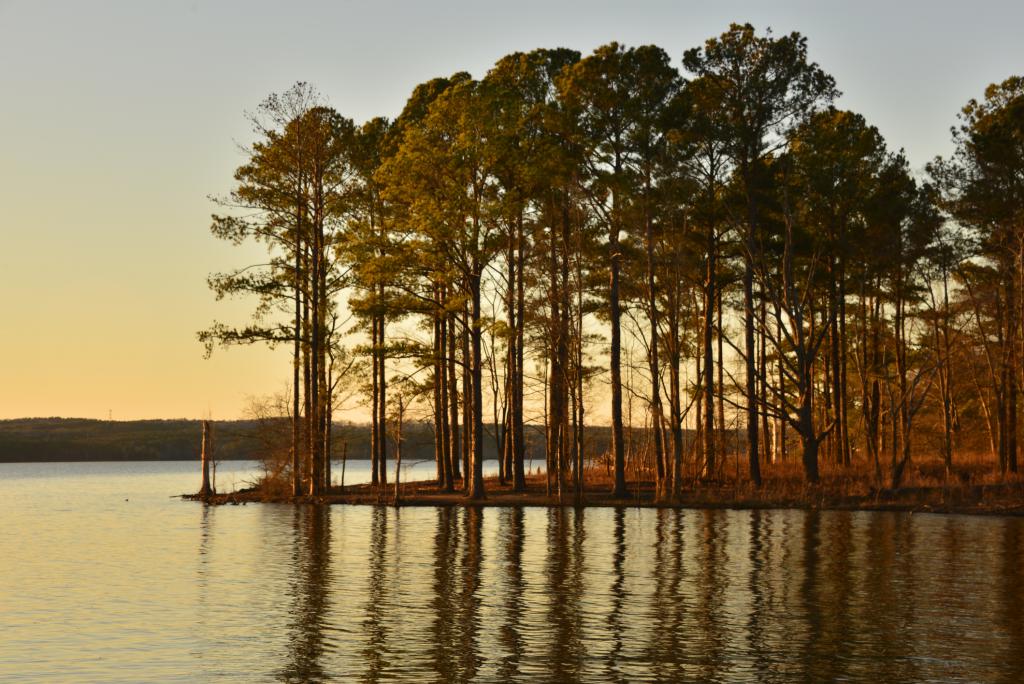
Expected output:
(98, 589)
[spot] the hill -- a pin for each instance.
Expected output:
(28, 440)
(80, 439)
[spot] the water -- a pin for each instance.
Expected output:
(104, 577)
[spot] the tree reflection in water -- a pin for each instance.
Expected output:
(760, 590)
(564, 570)
(711, 595)
(311, 526)
(454, 594)
(668, 603)
(512, 536)
(1011, 609)
(468, 619)
(618, 598)
(455, 597)
(374, 625)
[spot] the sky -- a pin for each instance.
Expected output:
(118, 121)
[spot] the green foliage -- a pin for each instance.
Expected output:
(561, 174)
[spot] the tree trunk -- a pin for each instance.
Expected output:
(710, 301)
(328, 435)
(296, 363)
(844, 425)
(656, 408)
(315, 347)
(382, 421)
(374, 401)
(467, 399)
(440, 400)
(511, 358)
(675, 394)
(834, 362)
(563, 350)
(809, 440)
(307, 378)
(615, 363)
(750, 351)
(344, 463)
(941, 331)
(781, 446)
(206, 456)
(400, 420)
(810, 457)
(1011, 373)
(556, 382)
(518, 421)
(899, 463)
(455, 448)
(766, 441)
(579, 410)
(476, 488)
(721, 381)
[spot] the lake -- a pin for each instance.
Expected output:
(104, 577)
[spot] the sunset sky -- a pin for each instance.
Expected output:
(119, 119)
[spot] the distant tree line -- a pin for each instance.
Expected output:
(262, 438)
(763, 253)
(28, 440)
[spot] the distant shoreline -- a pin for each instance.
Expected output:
(77, 440)
(188, 459)
(4, 460)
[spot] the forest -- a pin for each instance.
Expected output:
(38, 440)
(704, 256)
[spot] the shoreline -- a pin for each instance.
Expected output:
(959, 499)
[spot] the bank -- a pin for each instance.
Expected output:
(1003, 498)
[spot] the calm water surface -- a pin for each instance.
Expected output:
(104, 577)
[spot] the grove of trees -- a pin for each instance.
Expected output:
(571, 237)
